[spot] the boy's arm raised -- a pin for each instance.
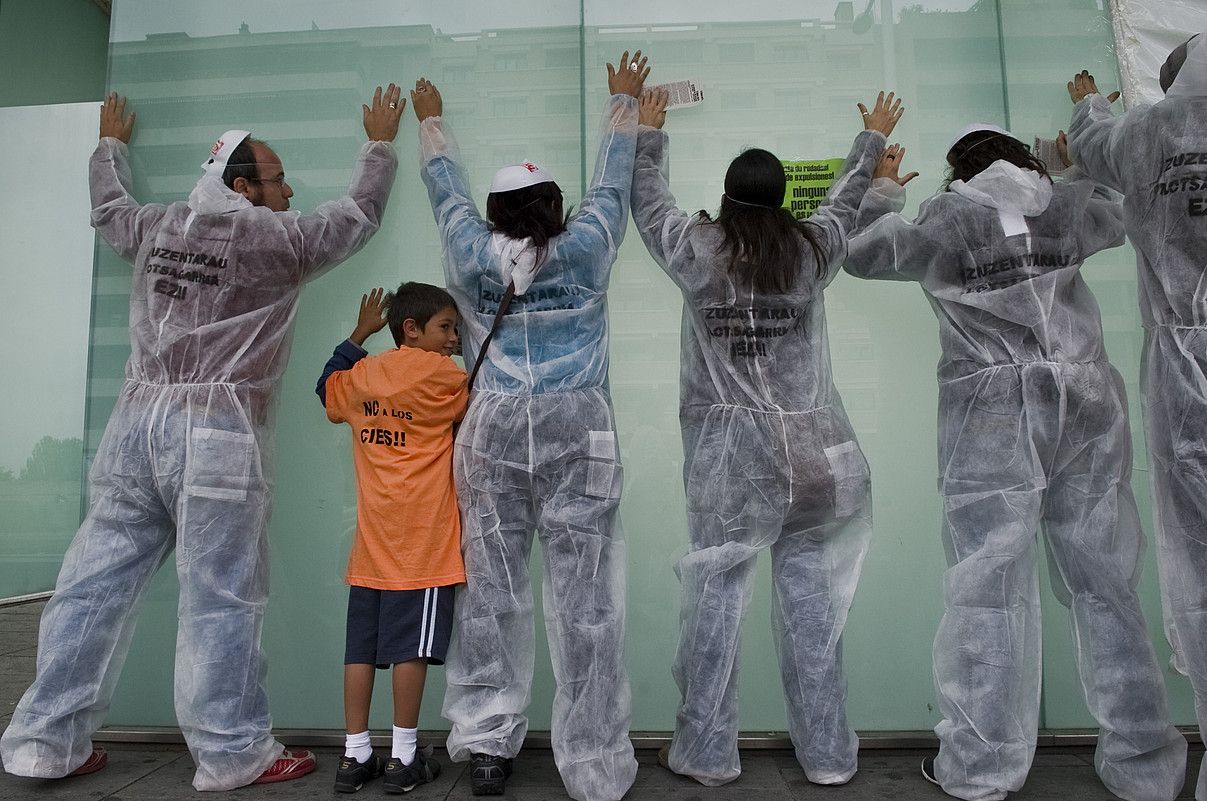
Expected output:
(370, 320)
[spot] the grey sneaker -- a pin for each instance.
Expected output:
(351, 775)
(488, 774)
(402, 778)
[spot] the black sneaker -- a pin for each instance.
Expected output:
(488, 774)
(928, 770)
(351, 775)
(402, 778)
(664, 757)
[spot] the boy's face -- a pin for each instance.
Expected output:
(438, 336)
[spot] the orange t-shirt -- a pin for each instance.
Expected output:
(401, 406)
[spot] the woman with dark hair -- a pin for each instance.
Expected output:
(537, 451)
(1033, 431)
(770, 460)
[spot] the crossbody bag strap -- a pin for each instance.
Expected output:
(503, 304)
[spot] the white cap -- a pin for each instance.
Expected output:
(977, 126)
(220, 153)
(518, 176)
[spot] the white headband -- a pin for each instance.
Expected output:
(977, 126)
(220, 153)
(519, 176)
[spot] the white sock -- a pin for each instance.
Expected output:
(358, 746)
(404, 745)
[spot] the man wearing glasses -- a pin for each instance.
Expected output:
(185, 463)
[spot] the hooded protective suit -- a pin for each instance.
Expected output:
(770, 461)
(185, 463)
(537, 450)
(1033, 431)
(1157, 156)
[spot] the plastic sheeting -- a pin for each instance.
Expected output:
(1145, 32)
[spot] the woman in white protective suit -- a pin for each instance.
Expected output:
(1033, 431)
(1157, 156)
(770, 459)
(537, 450)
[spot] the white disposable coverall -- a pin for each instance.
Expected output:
(1157, 156)
(185, 463)
(1033, 431)
(537, 450)
(770, 462)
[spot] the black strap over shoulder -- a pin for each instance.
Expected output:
(503, 305)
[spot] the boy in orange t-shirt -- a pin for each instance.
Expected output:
(406, 556)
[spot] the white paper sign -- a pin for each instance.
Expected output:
(682, 93)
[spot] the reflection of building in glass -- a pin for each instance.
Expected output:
(40, 504)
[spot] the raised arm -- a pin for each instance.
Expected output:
(338, 228)
(460, 224)
(370, 320)
(836, 217)
(659, 221)
(1098, 140)
(885, 244)
(605, 207)
(1101, 224)
(116, 215)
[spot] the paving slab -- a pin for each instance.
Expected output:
(19, 664)
(128, 767)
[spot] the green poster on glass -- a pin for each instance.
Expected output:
(808, 183)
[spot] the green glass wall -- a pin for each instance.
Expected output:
(45, 298)
(52, 55)
(527, 81)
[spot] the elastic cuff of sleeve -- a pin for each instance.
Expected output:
(888, 187)
(351, 350)
(432, 140)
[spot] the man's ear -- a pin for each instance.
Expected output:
(244, 187)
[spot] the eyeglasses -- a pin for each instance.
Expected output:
(279, 180)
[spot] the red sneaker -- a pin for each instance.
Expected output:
(290, 765)
(95, 761)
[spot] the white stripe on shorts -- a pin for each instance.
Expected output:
(431, 626)
(423, 624)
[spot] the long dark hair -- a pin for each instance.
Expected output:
(532, 212)
(763, 241)
(976, 151)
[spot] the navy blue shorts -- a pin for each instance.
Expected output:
(386, 627)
